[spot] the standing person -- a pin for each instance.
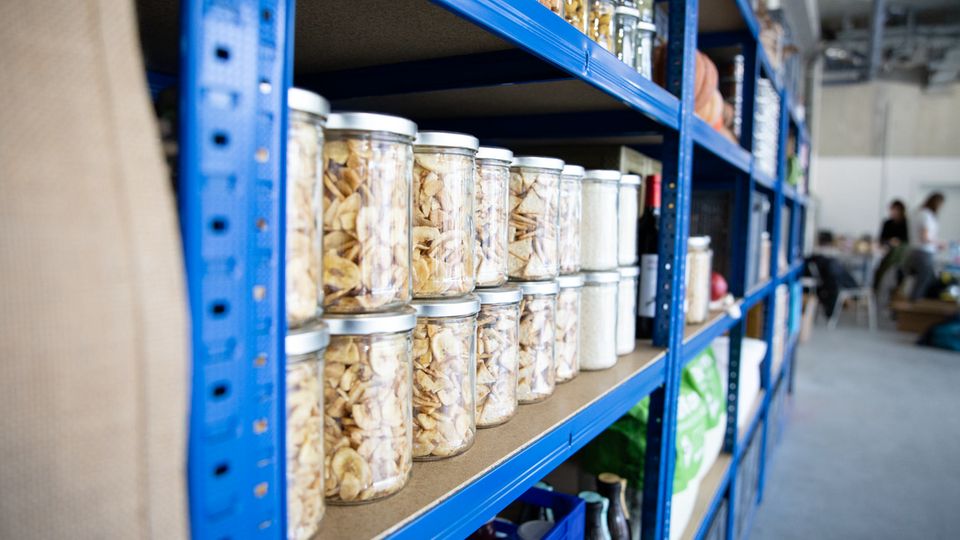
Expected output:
(919, 263)
(894, 229)
(894, 238)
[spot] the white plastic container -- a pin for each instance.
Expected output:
(627, 310)
(599, 224)
(598, 311)
(628, 213)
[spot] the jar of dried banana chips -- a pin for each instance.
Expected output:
(537, 371)
(492, 195)
(444, 376)
(568, 327)
(304, 462)
(366, 212)
(534, 218)
(367, 389)
(498, 335)
(307, 115)
(443, 233)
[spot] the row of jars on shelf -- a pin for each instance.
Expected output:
(623, 27)
(389, 231)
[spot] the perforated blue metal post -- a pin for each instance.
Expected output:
(677, 160)
(235, 70)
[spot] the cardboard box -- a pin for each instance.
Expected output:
(917, 317)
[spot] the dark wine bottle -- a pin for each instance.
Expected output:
(611, 486)
(648, 236)
(595, 522)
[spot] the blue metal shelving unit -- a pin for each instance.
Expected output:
(236, 64)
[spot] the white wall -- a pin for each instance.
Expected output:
(879, 141)
(853, 192)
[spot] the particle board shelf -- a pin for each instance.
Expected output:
(697, 337)
(709, 495)
(451, 498)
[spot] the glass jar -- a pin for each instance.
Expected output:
(367, 389)
(366, 212)
(699, 263)
(625, 21)
(627, 309)
(490, 215)
(498, 337)
(598, 311)
(568, 327)
(575, 12)
(444, 165)
(600, 23)
(628, 214)
(536, 379)
(555, 6)
(444, 377)
(643, 60)
(534, 218)
(599, 229)
(307, 115)
(304, 463)
(570, 210)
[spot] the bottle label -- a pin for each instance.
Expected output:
(647, 305)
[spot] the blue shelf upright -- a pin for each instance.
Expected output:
(235, 70)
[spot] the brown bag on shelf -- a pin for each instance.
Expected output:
(93, 328)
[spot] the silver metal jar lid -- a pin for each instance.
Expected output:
(598, 278)
(570, 281)
(572, 170)
(447, 139)
(647, 26)
(361, 121)
(538, 287)
(508, 294)
(359, 324)
(495, 153)
(627, 10)
(306, 101)
(306, 340)
(602, 175)
(630, 180)
(629, 271)
(447, 307)
(538, 162)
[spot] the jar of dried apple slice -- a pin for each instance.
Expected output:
(367, 389)
(492, 197)
(534, 218)
(498, 340)
(366, 213)
(537, 374)
(444, 376)
(443, 233)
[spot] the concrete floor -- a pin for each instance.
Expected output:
(872, 446)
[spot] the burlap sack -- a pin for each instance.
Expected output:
(93, 381)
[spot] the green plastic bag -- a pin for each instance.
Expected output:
(703, 375)
(621, 449)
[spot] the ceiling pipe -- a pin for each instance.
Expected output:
(876, 38)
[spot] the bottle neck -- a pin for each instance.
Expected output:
(652, 199)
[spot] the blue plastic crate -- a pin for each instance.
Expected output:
(568, 513)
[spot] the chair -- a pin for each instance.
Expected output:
(863, 295)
